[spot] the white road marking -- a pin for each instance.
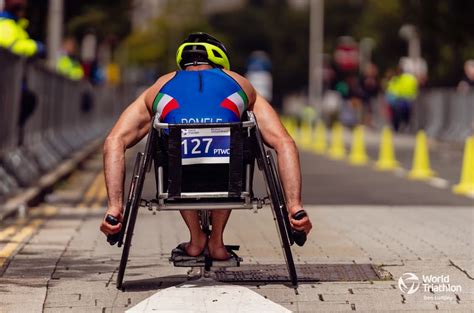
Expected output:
(438, 183)
(204, 296)
(400, 172)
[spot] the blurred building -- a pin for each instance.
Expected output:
(145, 10)
(216, 6)
(299, 4)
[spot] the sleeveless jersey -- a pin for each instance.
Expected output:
(206, 96)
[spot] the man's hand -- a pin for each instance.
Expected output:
(303, 224)
(108, 229)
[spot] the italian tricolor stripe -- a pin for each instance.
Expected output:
(164, 104)
(236, 102)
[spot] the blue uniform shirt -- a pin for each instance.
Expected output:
(205, 96)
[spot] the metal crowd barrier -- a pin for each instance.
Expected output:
(66, 116)
(445, 114)
(10, 89)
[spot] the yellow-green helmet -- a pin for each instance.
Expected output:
(202, 48)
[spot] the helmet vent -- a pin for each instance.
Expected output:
(216, 54)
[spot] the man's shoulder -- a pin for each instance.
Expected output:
(162, 81)
(235, 76)
(165, 78)
(244, 84)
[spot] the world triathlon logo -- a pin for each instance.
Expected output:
(409, 283)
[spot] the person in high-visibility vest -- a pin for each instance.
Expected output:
(14, 38)
(401, 92)
(13, 35)
(67, 63)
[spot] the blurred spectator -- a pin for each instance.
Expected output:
(329, 74)
(94, 72)
(13, 35)
(467, 83)
(352, 106)
(331, 107)
(67, 63)
(370, 87)
(401, 91)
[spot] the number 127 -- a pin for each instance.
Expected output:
(196, 145)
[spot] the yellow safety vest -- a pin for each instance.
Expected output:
(69, 67)
(407, 86)
(403, 86)
(14, 37)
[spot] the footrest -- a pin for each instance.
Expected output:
(181, 259)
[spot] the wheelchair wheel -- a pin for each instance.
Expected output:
(131, 217)
(144, 163)
(280, 214)
(274, 189)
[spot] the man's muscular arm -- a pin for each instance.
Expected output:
(275, 135)
(131, 127)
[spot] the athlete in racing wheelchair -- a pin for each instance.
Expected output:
(201, 123)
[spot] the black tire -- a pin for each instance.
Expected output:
(265, 162)
(128, 233)
(136, 190)
(281, 196)
(131, 192)
(126, 247)
(276, 193)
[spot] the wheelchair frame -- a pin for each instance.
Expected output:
(265, 162)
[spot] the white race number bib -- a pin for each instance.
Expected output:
(205, 146)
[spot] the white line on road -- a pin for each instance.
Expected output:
(438, 183)
(204, 296)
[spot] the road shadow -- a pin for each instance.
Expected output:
(266, 274)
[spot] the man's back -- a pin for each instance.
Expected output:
(200, 96)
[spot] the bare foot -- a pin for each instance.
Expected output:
(218, 251)
(196, 246)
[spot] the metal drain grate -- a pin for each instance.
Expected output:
(306, 273)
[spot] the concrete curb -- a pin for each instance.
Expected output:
(19, 203)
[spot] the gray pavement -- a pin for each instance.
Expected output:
(57, 261)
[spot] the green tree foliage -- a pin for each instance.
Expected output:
(103, 17)
(156, 45)
(445, 28)
(273, 27)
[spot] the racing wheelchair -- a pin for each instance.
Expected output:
(174, 147)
